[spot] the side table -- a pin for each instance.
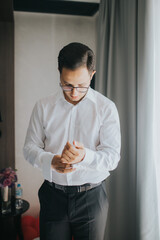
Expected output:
(10, 223)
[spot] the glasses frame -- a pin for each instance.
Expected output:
(77, 88)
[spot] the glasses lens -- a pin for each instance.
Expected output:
(67, 88)
(81, 89)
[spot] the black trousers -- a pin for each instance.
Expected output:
(79, 215)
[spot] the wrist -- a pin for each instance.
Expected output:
(83, 156)
(53, 162)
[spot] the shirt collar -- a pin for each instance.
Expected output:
(90, 95)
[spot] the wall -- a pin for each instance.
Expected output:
(38, 39)
(7, 137)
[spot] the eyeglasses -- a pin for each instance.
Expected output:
(69, 88)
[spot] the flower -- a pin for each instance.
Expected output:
(8, 177)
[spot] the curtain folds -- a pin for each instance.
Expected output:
(126, 60)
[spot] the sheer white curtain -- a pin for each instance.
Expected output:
(147, 109)
(128, 73)
(156, 136)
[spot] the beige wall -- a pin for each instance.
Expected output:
(38, 39)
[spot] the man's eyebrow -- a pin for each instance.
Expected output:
(82, 83)
(71, 84)
(66, 82)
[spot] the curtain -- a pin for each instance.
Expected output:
(157, 99)
(128, 73)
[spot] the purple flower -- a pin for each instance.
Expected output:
(8, 177)
(7, 182)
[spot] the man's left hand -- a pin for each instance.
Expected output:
(73, 153)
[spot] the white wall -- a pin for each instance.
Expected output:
(38, 39)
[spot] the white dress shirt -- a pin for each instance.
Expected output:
(93, 121)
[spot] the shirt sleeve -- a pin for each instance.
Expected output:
(107, 153)
(33, 149)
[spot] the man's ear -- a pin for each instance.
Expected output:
(59, 73)
(92, 74)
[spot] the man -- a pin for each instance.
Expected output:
(74, 138)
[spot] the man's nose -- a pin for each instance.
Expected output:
(74, 91)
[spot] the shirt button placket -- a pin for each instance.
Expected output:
(71, 136)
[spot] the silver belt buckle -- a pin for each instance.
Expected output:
(84, 188)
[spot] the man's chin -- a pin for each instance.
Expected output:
(75, 98)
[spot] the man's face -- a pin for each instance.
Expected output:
(79, 77)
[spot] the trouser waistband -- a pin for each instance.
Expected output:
(74, 189)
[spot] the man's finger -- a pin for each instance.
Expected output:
(78, 145)
(73, 161)
(64, 156)
(64, 160)
(68, 155)
(70, 161)
(68, 145)
(72, 149)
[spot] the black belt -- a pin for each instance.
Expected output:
(73, 189)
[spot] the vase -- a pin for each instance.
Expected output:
(6, 200)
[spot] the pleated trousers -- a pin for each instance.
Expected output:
(80, 215)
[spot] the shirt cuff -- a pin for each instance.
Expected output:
(89, 156)
(46, 158)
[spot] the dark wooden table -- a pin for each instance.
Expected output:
(10, 223)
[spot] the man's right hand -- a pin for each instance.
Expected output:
(61, 167)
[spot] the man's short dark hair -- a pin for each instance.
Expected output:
(75, 55)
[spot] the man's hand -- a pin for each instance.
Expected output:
(61, 166)
(73, 154)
